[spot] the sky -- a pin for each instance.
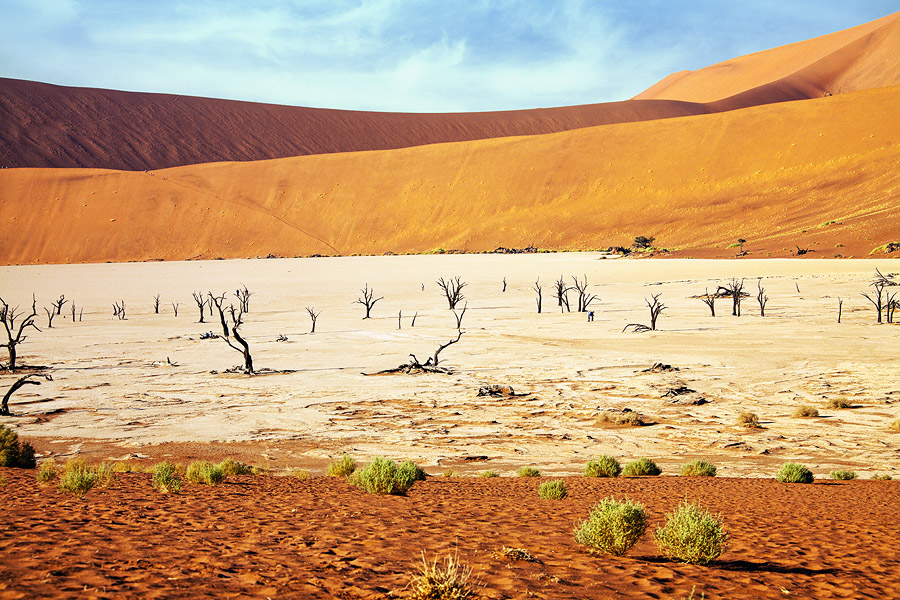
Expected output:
(400, 55)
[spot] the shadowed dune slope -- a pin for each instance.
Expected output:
(771, 174)
(863, 57)
(52, 126)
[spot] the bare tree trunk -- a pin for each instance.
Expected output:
(368, 300)
(156, 304)
(537, 290)
(4, 404)
(840, 305)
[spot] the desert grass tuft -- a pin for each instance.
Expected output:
(843, 475)
(231, 467)
(895, 425)
(78, 478)
(382, 476)
(692, 535)
(794, 473)
(205, 473)
(838, 403)
(342, 467)
(881, 477)
(127, 466)
(553, 490)
(805, 411)
(604, 466)
(47, 472)
(698, 468)
(14, 453)
(489, 473)
(410, 471)
(449, 473)
(612, 526)
(165, 478)
(301, 474)
(450, 580)
(642, 467)
(528, 472)
(748, 419)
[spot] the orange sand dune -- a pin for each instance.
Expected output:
(773, 174)
(51, 126)
(863, 57)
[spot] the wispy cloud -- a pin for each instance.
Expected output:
(404, 55)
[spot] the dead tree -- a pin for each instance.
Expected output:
(313, 316)
(429, 366)
(201, 301)
(537, 290)
(879, 296)
(218, 301)
(243, 296)
(761, 298)
(233, 331)
(58, 304)
(459, 317)
(504, 285)
(15, 336)
(734, 290)
(119, 310)
(27, 379)
(400, 319)
(175, 308)
(414, 319)
(51, 312)
(890, 307)
(656, 309)
(562, 294)
(368, 300)
(840, 306)
(709, 300)
(584, 298)
(156, 304)
(452, 289)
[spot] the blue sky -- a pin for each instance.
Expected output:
(399, 55)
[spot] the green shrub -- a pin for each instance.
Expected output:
(748, 419)
(382, 476)
(698, 468)
(612, 526)
(604, 466)
(794, 473)
(838, 403)
(433, 581)
(165, 478)
(47, 471)
(641, 467)
(205, 472)
(881, 477)
(78, 478)
(692, 535)
(14, 453)
(528, 472)
(230, 467)
(843, 475)
(489, 473)
(301, 474)
(806, 411)
(342, 467)
(553, 490)
(411, 472)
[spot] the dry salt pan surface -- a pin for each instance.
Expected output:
(149, 386)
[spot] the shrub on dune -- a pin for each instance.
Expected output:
(698, 468)
(642, 467)
(806, 411)
(843, 475)
(604, 466)
(382, 476)
(165, 478)
(794, 473)
(553, 490)
(447, 581)
(205, 473)
(613, 526)
(342, 467)
(692, 535)
(14, 453)
(528, 472)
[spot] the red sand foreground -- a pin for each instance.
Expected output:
(262, 537)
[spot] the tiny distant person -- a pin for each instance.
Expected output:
(590, 316)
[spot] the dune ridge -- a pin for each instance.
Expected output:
(772, 174)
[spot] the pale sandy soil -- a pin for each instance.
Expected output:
(112, 382)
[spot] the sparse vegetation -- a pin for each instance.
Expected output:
(553, 490)
(230, 467)
(489, 473)
(382, 476)
(604, 466)
(78, 478)
(165, 478)
(843, 475)
(342, 467)
(895, 425)
(410, 471)
(528, 472)
(301, 474)
(838, 403)
(612, 526)
(447, 581)
(881, 477)
(805, 411)
(642, 467)
(642, 242)
(205, 473)
(368, 300)
(692, 535)
(791, 472)
(630, 418)
(748, 420)
(698, 468)
(47, 471)
(15, 453)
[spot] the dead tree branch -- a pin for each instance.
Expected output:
(51, 312)
(156, 304)
(562, 294)
(537, 290)
(14, 336)
(584, 298)
(452, 289)
(709, 300)
(459, 317)
(4, 404)
(243, 296)
(761, 298)
(201, 301)
(58, 304)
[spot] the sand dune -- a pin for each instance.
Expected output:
(774, 175)
(863, 57)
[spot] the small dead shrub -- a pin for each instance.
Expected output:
(805, 411)
(435, 581)
(838, 403)
(507, 553)
(342, 467)
(748, 420)
(843, 475)
(630, 419)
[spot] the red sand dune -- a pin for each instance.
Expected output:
(772, 174)
(267, 537)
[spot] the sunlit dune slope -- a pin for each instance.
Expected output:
(863, 57)
(45, 125)
(773, 175)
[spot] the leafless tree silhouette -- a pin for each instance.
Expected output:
(51, 312)
(459, 317)
(656, 309)
(156, 304)
(537, 290)
(58, 304)
(175, 308)
(27, 379)
(584, 298)
(734, 290)
(452, 289)
(243, 296)
(710, 301)
(761, 298)
(878, 297)
(313, 316)
(201, 301)
(368, 300)
(562, 294)
(15, 336)
(119, 310)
